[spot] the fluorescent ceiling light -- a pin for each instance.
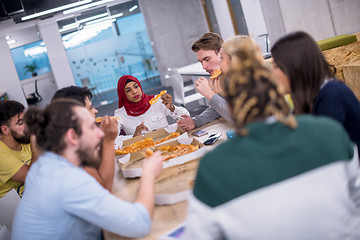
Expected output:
(7, 37)
(34, 51)
(76, 24)
(105, 18)
(86, 6)
(55, 9)
(133, 8)
(11, 41)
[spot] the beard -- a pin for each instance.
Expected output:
(24, 139)
(90, 156)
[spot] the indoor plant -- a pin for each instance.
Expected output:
(31, 68)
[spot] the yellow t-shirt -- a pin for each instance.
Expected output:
(10, 162)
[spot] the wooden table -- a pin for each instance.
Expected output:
(165, 217)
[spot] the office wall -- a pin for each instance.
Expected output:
(9, 80)
(322, 18)
(173, 26)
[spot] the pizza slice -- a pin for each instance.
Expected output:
(99, 119)
(137, 146)
(157, 97)
(168, 137)
(216, 73)
(173, 151)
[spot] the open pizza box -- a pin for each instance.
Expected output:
(131, 163)
(175, 183)
(157, 135)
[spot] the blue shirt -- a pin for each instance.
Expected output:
(337, 101)
(62, 201)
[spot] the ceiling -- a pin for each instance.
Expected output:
(16, 9)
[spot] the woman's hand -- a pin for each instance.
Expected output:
(167, 100)
(139, 129)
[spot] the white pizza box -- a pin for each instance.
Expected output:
(124, 141)
(132, 163)
(176, 183)
(139, 154)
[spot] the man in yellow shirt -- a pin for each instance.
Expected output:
(15, 151)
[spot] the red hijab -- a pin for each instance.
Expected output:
(132, 108)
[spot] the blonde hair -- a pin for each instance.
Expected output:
(250, 89)
(231, 46)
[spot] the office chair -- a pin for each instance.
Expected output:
(35, 97)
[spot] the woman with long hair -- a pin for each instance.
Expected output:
(301, 68)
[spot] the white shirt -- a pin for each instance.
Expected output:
(154, 118)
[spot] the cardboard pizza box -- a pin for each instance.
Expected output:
(124, 141)
(131, 164)
(176, 183)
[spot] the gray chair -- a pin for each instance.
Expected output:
(181, 95)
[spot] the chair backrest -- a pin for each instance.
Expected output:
(8, 205)
(177, 85)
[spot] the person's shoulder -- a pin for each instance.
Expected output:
(335, 87)
(324, 128)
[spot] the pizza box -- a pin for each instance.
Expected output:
(124, 141)
(175, 183)
(139, 154)
(132, 163)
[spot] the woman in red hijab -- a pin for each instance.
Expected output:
(135, 112)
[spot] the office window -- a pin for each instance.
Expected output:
(31, 54)
(100, 53)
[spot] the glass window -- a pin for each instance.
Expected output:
(31, 58)
(100, 53)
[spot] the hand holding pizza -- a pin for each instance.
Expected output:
(167, 100)
(153, 165)
(215, 85)
(109, 126)
(203, 87)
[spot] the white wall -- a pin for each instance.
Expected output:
(321, 18)
(9, 80)
(60, 66)
(255, 21)
(223, 19)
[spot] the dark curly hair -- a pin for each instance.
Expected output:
(50, 125)
(9, 109)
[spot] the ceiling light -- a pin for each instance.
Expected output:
(133, 8)
(7, 37)
(105, 18)
(76, 24)
(86, 6)
(55, 9)
(11, 41)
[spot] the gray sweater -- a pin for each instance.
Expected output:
(217, 108)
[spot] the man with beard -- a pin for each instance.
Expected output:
(76, 206)
(15, 150)
(104, 172)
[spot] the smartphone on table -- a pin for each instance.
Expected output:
(199, 133)
(212, 139)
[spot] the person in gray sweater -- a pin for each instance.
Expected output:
(207, 49)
